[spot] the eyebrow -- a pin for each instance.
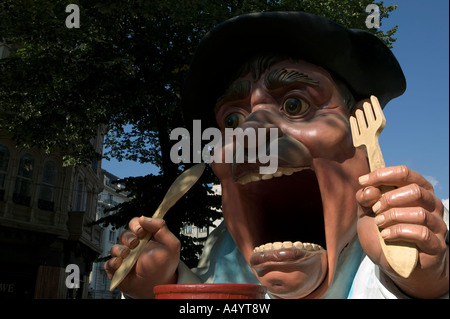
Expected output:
(273, 80)
(282, 77)
(236, 91)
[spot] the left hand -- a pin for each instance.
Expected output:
(412, 213)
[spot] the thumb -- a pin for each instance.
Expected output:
(160, 231)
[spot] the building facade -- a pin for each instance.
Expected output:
(47, 247)
(44, 212)
(111, 196)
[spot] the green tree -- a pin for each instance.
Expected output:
(123, 69)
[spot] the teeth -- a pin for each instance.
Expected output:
(278, 174)
(288, 244)
(254, 177)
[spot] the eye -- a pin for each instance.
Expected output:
(233, 120)
(295, 107)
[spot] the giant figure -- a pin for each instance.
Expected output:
(310, 229)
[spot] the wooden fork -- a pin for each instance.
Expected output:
(366, 127)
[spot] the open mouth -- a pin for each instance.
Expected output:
(286, 214)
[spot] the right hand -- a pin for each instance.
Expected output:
(156, 265)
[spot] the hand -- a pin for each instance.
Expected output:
(156, 265)
(412, 213)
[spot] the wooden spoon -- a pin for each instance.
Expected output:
(179, 187)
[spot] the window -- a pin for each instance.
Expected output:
(24, 181)
(47, 189)
(94, 165)
(112, 236)
(4, 161)
(80, 197)
(187, 228)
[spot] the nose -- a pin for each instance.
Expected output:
(261, 122)
(264, 110)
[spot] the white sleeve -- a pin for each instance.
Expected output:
(186, 276)
(371, 283)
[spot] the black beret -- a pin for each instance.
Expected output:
(357, 57)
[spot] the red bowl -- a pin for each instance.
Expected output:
(210, 291)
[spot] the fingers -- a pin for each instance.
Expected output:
(368, 196)
(412, 190)
(139, 228)
(136, 228)
(118, 254)
(112, 265)
(416, 225)
(422, 236)
(398, 176)
(161, 233)
(129, 239)
(410, 212)
(119, 251)
(408, 196)
(418, 216)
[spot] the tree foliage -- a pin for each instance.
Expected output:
(122, 69)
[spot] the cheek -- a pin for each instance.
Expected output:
(220, 166)
(330, 138)
(221, 170)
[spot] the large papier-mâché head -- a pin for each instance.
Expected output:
(302, 75)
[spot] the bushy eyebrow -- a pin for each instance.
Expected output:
(236, 91)
(275, 79)
(281, 77)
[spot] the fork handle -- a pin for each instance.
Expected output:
(402, 256)
(376, 161)
(374, 154)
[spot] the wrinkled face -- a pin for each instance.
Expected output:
(292, 225)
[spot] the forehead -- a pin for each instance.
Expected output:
(299, 65)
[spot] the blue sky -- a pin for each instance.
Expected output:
(417, 129)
